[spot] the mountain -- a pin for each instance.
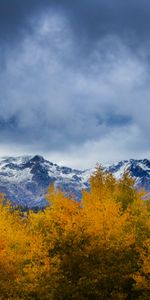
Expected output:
(138, 169)
(25, 179)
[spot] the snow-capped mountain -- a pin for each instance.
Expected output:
(25, 179)
(138, 169)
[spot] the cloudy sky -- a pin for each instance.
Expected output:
(75, 80)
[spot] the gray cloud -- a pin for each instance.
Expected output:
(88, 19)
(71, 84)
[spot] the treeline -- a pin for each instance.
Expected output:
(96, 249)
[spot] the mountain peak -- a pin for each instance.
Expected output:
(37, 158)
(25, 179)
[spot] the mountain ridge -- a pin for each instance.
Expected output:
(25, 179)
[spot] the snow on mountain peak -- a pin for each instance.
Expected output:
(25, 179)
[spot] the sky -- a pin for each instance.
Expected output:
(75, 80)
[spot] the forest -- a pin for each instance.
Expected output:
(96, 249)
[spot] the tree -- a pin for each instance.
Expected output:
(96, 249)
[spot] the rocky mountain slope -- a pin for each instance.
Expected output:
(25, 179)
(138, 169)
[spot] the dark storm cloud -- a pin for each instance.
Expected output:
(75, 76)
(88, 19)
(91, 20)
(14, 18)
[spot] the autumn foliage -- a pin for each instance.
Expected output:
(97, 249)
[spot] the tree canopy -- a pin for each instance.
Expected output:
(96, 249)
